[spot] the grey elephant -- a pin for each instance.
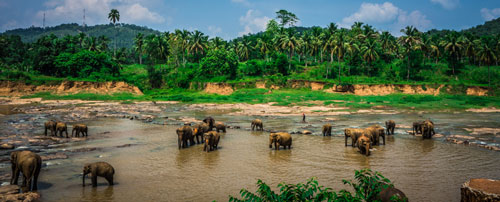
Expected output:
(219, 126)
(29, 164)
(428, 129)
(199, 130)
(280, 139)
(390, 126)
(257, 124)
(60, 128)
(376, 132)
(364, 143)
(50, 125)
(417, 127)
(101, 169)
(210, 121)
(184, 134)
(327, 130)
(80, 128)
(211, 141)
(386, 194)
(354, 134)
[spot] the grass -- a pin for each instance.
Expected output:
(295, 97)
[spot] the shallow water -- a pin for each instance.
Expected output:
(153, 169)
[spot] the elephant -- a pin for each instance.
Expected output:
(387, 193)
(29, 164)
(211, 141)
(354, 133)
(210, 121)
(364, 143)
(80, 128)
(417, 127)
(390, 125)
(428, 129)
(184, 134)
(219, 126)
(50, 125)
(376, 132)
(280, 139)
(101, 169)
(257, 124)
(327, 130)
(199, 130)
(61, 127)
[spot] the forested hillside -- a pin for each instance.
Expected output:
(124, 33)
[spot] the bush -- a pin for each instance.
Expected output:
(218, 63)
(367, 187)
(84, 63)
(252, 68)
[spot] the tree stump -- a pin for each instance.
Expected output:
(480, 190)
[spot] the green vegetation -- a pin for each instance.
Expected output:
(291, 97)
(367, 186)
(183, 59)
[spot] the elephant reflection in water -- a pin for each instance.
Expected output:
(96, 194)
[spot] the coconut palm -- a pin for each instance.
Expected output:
(139, 45)
(217, 43)
(288, 41)
(410, 41)
(182, 39)
(198, 43)
(244, 48)
(369, 52)
(339, 47)
(263, 47)
(453, 46)
(352, 48)
(114, 16)
(487, 56)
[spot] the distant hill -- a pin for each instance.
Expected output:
(125, 33)
(491, 27)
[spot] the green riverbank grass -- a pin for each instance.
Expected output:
(294, 97)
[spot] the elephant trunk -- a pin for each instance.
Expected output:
(367, 148)
(207, 145)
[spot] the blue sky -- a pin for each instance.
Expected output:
(233, 18)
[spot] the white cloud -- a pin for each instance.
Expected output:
(373, 13)
(387, 14)
(447, 4)
(253, 22)
(131, 11)
(214, 30)
(490, 14)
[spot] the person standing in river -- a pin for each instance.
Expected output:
(303, 117)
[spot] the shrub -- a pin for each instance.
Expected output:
(218, 63)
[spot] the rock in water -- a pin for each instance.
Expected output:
(6, 146)
(476, 190)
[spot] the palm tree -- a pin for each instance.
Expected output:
(81, 39)
(411, 41)
(139, 45)
(114, 16)
(352, 48)
(339, 47)
(198, 43)
(487, 57)
(370, 54)
(263, 47)
(244, 47)
(329, 46)
(288, 41)
(217, 43)
(453, 46)
(102, 43)
(182, 38)
(435, 51)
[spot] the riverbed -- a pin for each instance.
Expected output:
(150, 167)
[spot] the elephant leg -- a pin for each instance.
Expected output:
(28, 183)
(224, 129)
(353, 141)
(35, 180)
(66, 133)
(346, 140)
(15, 176)
(24, 181)
(110, 179)
(45, 132)
(94, 180)
(179, 143)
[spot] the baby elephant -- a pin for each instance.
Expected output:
(280, 139)
(101, 169)
(211, 141)
(257, 124)
(219, 126)
(80, 128)
(390, 125)
(327, 130)
(364, 144)
(61, 127)
(50, 125)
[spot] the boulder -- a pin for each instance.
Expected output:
(484, 190)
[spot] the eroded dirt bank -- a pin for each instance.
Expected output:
(8, 88)
(356, 89)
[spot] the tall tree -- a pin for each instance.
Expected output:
(114, 16)
(410, 41)
(370, 54)
(139, 45)
(339, 48)
(286, 18)
(288, 41)
(453, 47)
(487, 56)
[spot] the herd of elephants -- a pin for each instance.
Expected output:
(208, 133)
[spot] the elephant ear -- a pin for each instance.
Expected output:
(13, 156)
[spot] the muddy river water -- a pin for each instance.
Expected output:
(152, 168)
